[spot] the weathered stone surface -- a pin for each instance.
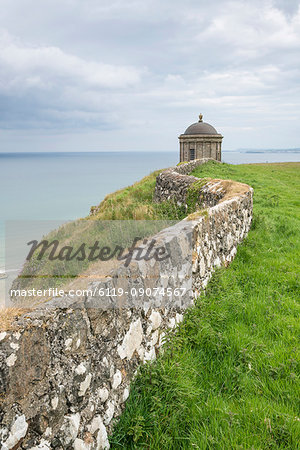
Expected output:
(70, 395)
(131, 341)
(65, 369)
(17, 432)
(174, 183)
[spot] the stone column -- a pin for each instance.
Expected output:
(219, 151)
(185, 153)
(181, 151)
(213, 150)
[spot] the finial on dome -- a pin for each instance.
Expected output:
(200, 117)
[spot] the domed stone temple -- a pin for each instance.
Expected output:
(200, 140)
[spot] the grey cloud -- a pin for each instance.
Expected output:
(124, 67)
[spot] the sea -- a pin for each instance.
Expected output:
(63, 186)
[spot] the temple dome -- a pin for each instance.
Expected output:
(200, 128)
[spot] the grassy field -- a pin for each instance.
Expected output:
(229, 378)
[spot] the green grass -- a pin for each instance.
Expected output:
(136, 203)
(229, 377)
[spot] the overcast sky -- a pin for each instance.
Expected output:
(100, 75)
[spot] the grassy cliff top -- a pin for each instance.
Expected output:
(135, 202)
(229, 378)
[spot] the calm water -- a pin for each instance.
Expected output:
(63, 186)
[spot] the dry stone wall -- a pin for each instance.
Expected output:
(175, 183)
(66, 368)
